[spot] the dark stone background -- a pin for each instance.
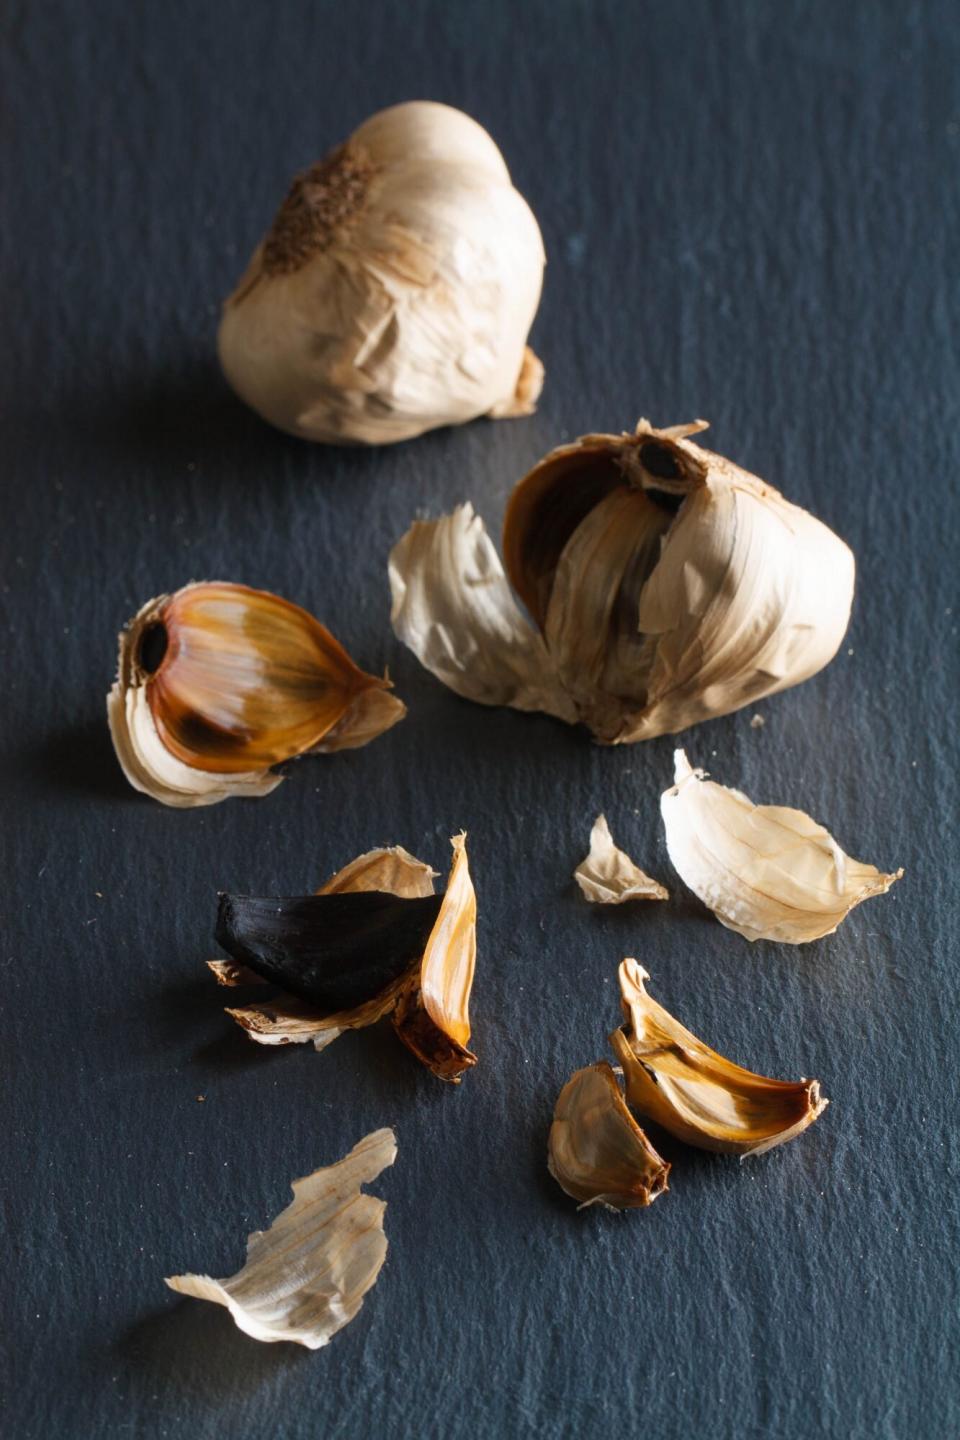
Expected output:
(751, 213)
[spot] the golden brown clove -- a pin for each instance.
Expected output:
(694, 1093)
(218, 683)
(597, 1152)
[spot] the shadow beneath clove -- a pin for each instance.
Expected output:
(77, 759)
(197, 1348)
(234, 1050)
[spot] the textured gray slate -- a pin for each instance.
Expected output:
(752, 214)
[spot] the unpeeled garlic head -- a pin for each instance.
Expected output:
(666, 585)
(217, 683)
(395, 290)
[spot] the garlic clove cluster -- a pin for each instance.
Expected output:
(346, 972)
(696, 1094)
(218, 683)
(597, 1152)
(766, 871)
(666, 586)
(395, 290)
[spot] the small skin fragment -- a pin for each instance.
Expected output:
(421, 971)
(597, 1152)
(696, 1094)
(306, 1276)
(609, 877)
(767, 872)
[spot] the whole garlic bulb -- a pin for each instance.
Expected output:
(395, 290)
(667, 586)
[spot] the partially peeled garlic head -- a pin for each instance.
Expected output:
(395, 290)
(218, 683)
(597, 1152)
(666, 586)
(694, 1093)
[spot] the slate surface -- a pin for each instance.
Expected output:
(751, 213)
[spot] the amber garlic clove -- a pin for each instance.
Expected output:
(218, 683)
(696, 1094)
(432, 1017)
(597, 1152)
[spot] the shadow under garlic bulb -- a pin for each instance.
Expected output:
(395, 290)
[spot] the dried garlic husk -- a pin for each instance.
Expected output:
(597, 1152)
(375, 940)
(609, 877)
(696, 1094)
(666, 584)
(768, 872)
(395, 289)
(305, 1277)
(218, 683)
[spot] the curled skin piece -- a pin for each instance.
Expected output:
(609, 877)
(597, 1152)
(665, 584)
(217, 684)
(429, 1001)
(765, 871)
(306, 1276)
(693, 1092)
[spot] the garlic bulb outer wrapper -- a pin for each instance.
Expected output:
(218, 683)
(395, 290)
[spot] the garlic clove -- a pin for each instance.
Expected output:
(597, 1152)
(696, 1094)
(452, 606)
(668, 586)
(333, 951)
(395, 289)
(217, 683)
(767, 872)
(609, 877)
(432, 1017)
(426, 985)
(306, 1275)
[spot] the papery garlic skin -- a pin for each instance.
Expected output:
(666, 586)
(609, 877)
(242, 681)
(696, 1094)
(395, 290)
(306, 1275)
(597, 1152)
(767, 872)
